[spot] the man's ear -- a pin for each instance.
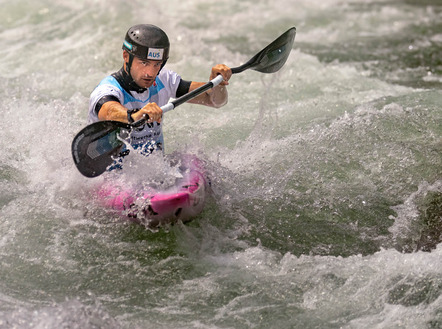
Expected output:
(125, 56)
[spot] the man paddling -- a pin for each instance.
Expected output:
(95, 146)
(142, 85)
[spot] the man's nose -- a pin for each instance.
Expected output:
(149, 70)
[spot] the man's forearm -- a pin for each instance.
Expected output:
(113, 111)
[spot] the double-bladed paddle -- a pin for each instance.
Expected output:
(97, 145)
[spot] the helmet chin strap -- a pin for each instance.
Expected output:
(162, 65)
(129, 64)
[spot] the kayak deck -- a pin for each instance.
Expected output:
(155, 207)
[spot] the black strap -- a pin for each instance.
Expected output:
(104, 99)
(183, 88)
(129, 115)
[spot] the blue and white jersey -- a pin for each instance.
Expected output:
(164, 88)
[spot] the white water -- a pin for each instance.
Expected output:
(321, 173)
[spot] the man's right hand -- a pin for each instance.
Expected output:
(152, 110)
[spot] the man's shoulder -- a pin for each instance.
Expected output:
(110, 80)
(108, 86)
(109, 83)
(170, 78)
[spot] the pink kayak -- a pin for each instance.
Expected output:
(152, 207)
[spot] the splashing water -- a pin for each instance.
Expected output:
(326, 176)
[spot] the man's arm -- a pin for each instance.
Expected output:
(215, 97)
(113, 110)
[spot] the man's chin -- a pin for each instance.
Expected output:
(146, 83)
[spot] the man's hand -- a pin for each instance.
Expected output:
(217, 96)
(222, 69)
(152, 110)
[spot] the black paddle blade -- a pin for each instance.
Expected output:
(272, 57)
(96, 145)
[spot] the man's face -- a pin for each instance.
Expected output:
(143, 72)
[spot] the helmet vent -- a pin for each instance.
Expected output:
(134, 35)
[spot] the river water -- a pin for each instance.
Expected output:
(326, 176)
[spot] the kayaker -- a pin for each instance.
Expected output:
(143, 85)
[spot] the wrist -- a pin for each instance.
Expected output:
(130, 119)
